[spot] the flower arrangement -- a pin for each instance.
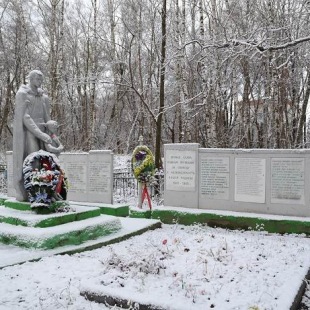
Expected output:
(142, 163)
(44, 179)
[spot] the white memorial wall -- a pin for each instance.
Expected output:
(90, 175)
(181, 176)
(257, 180)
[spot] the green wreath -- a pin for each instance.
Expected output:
(142, 163)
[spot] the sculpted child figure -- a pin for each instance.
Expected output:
(32, 112)
(55, 147)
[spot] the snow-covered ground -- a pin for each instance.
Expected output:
(177, 267)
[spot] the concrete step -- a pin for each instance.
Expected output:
(17, 205)
(32, 219)
(73, 233)
(11, 255)
(108, 209)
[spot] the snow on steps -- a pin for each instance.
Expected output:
(23, 227)
(11, 255)
(73, 233)
(31, 218)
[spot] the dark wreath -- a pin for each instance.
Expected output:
(44, 180)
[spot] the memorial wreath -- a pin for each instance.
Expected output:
(143, 166)
(44, 180)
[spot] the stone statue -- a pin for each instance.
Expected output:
(55, 147)
(32, 112)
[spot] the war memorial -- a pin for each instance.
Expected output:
(56, 198)
(62, 202)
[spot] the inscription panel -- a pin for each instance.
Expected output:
(214, 177)
(180, 170)
(76, 172)
(99, 177)
(250, 179)
(287, 180)
(90, 175)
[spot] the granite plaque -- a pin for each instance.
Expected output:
(180, 170)
(75, 166)
(288, 180)
(214, 177)
(100, 175)
(250, 174)
(90, 175)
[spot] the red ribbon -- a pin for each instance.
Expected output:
(145, 193)
(59, 184)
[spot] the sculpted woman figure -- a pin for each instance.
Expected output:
(32, 112)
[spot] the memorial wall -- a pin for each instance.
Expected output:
(181, 176)
(257, 180)
(90, 175)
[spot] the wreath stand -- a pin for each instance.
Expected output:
(143, 169)
(144, 193)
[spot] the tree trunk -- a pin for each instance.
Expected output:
(302, 121)
(158, 161)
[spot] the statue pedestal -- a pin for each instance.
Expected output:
(25, 228)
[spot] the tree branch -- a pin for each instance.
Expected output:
(259, 46)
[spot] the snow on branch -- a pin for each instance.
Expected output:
(262, 48)
(254, 44)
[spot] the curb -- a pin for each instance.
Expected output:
(119, 302)
(298, 298)
(282, 225)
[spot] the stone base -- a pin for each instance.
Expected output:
(11, 255)
(108, 209)
(21, 226)
(52, 237)
(30, 218)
